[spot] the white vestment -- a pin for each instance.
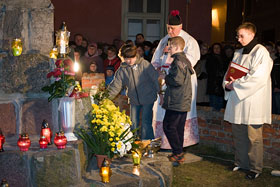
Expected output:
(250, 101)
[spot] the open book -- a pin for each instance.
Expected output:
(236, 71)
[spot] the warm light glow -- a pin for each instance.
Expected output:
(76, 66)
(136, 170)
(105, 172)
(105, 177)
(17, 47)
(215, 18)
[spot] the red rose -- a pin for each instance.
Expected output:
(57, 73)
(67, 62)
(49, 74)
(58, 63)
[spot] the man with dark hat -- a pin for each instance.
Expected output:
(162, 60)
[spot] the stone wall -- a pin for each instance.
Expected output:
(23, 105)
(214, 131)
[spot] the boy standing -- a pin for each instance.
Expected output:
(177, 98)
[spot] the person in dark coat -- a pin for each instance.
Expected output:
(215, 70)
(177, 98)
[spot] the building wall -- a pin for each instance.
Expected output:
(96, 20)
(101, 20)
(214, 131)
(199, 20)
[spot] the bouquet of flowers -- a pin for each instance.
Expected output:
(64, 79)
(109, 132)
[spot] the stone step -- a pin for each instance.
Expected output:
(68, 167)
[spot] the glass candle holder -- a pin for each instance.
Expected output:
(24, 142)
(43, 142)
(54, 53)
(17, 47)
(2, 141)
(136, 157)
(46, 131)
(60, 140)
(105, 171)
(136, 170)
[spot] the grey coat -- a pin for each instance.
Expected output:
(140, 80)
(178, 94)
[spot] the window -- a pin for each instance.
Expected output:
(144, 16)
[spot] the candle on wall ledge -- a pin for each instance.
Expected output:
(17, 47)
(60, 140)
(2, 141)
(43, 142)
(24, 142)
(46, 131)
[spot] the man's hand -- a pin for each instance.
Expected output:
(230, 84)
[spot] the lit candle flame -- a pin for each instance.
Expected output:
(76, 66)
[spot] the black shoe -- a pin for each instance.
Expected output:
(252, 175)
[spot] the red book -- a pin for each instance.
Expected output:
(236, 71)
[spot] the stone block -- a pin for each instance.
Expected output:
(40, 31)
(55, 168)
(24, 74)
(8, 119)
(30, 20)
(34, 111)
(14, 168)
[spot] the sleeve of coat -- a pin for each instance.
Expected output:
(153, 74)
(115, 86)
(175, 77)
(257, 77)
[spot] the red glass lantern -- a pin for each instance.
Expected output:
(24, 142)
(46, 131)
(2, 141)
(43, 142)
(60, 140)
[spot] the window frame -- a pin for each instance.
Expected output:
(144, 16)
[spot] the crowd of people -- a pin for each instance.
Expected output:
(210, 69)
(165, 80)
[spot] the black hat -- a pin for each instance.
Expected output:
(174, 18)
